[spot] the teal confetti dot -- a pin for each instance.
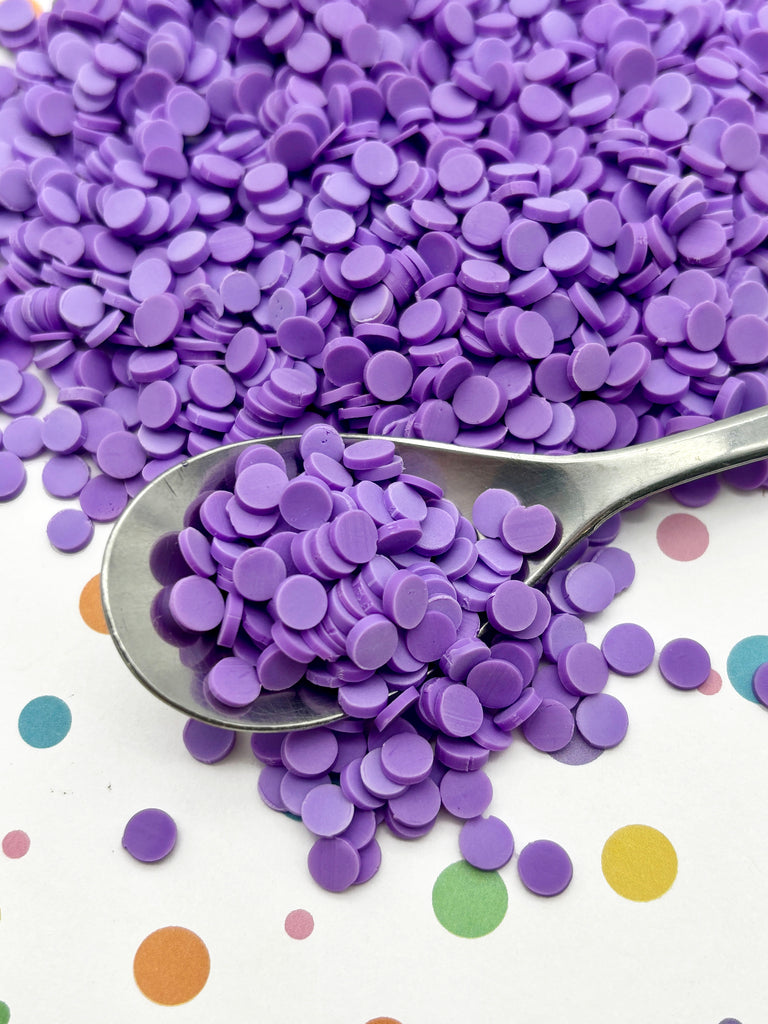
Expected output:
(746, 656)
(45, 721)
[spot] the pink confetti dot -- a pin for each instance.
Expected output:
(712, 684)
(15, 844)
(299, 924)
(682, 536)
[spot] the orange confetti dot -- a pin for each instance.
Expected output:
(382, 1020)
(171, 966)
(90, 605)
(36, 8)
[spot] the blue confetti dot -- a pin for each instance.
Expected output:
(45, 721)
(746, 656)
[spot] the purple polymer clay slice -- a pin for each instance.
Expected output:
(120, 455)
(406, 758)
(405, 599)
(309, 753)
(326, 811)
(233, 682)
(208, 743)
(70, 530)
(465, 794)
(590, 587)
(270, 778)
(583, 669)
(428, 641)
(306, 503)
(372, 641)
(628, 648)
(550, 727)
(544, 868)
(13, 475)
(23, 437)
(196, 604)
(602, 720)
(334, 863)
(458, 711)
(150, 835)
(497, 683)
(103, 498)
(375, 779)
(684, 663)
(512, 607)
(64, 476)
(760, 683)
(528, 529)
(418, 806)
(486, 843)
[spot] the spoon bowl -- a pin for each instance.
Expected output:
(582, 490)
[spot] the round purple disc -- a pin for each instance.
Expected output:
(150, 835)
(628, 648)
(13, 476)
(684, 663)
(465, 794)
(70, 530)
(550, 727)
(760, 683)
(602, 720)
(544, 868)
(208, 743)
(326, 811)
(334, 864)
(486, 843)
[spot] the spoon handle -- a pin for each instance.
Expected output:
(679, 458)
(587, 489)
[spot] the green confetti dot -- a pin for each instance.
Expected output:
(5, 1012)
(468, 902)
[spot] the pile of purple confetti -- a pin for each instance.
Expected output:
(522, 225)
(366, 580)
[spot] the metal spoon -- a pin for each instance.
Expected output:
(581, 490)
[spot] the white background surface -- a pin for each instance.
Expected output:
(74, 909)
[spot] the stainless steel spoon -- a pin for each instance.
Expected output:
(581, 490)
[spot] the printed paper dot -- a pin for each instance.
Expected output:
(713, 684)
(382, 1020)
(299, 924)
(91, 608)
(171, 966)
(15, 844)
(682, 536)
(44, 721)
(5, 1012)
(468, 902)
(744, 658)
(639, 862)
(577, 751)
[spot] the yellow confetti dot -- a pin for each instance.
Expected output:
(91, 608)
(639, 862)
